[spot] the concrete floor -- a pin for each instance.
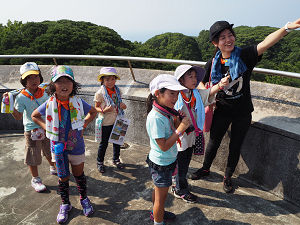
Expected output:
(124, 197)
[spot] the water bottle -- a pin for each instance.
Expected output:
(59, 158)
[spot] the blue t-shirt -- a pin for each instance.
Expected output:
(158, 126)
(75, 143)
(26, 106)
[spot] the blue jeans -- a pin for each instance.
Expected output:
(106, 130)
(183, 163)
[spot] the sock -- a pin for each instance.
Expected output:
(63, 189)
(81, 185)
(157, 223)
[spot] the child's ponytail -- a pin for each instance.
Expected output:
(149, 102)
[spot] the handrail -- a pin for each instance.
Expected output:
(144, 59)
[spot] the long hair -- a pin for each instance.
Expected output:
(76, 86)
(152, 98)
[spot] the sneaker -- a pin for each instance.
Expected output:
(101, 167)
(63, 213)
(227, 185)
(37, 184)
(168, 216)
(118, 164)
(87, 207)
(53, 170)
(199, 174)
(189, 197)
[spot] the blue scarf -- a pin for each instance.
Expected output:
(236, 66)
(199, 107)
(109, 101)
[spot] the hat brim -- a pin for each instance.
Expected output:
(200, 73)
(211, 37)
(108, 74)
(54, 79)
(30, 72)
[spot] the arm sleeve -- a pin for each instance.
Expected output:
(206, 99)
(207, 68)
(157, 128)
(42, 108)
(86, 107)
(18, 105)
(250, 56)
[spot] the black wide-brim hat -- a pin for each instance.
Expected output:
(217, 28)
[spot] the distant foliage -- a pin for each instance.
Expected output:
(84, 38)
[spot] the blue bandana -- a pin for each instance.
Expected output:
(236, 66)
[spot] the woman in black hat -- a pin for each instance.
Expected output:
(234, 104)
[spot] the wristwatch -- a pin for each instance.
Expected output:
(286, 27)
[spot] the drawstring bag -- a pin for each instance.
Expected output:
(209, 110)
(98, 129)
(199, 141)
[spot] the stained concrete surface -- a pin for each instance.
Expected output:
(124, 197)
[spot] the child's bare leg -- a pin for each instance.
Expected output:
(160, 195)
(50, 162)
(34, 171)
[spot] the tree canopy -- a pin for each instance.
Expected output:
(85, 38)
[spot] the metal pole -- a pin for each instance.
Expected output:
(131, 70)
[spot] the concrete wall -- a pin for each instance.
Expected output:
(271, 151)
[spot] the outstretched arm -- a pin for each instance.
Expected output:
(274, 37)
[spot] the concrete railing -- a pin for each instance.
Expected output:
(271, 151)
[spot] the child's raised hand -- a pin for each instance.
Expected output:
(224, 82)
(122, 105)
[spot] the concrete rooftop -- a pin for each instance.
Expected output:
(124, 197)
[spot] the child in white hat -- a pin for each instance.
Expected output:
(164, 126)
(191, 101)
(109, 105)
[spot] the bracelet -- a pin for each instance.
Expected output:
(286, 27)
(85, 125)
(178, 133)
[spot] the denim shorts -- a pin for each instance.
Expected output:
(161, 178)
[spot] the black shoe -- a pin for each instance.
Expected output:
(199, 174)
(101, 167)
(227, 185)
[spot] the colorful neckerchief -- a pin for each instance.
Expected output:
(38, 94)
(191, 101)
(65, 104)
(236, 66)
(112, 94)
(109, 101)
(169, 113)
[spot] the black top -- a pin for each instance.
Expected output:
(237, 100)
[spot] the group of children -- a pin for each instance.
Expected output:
(174, 123)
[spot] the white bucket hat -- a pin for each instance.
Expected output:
(165, 81)
(29, 68)
(182, 69)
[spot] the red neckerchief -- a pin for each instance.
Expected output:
(192, 101)
(111, 92)
(167, 112)
(38, 94)
(65, 104)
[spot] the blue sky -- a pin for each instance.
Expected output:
(139, 20)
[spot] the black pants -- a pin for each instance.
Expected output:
(183, 162)
(106, 130)
(220, 124)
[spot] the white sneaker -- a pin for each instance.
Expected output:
(37, 184)
(53, 170)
